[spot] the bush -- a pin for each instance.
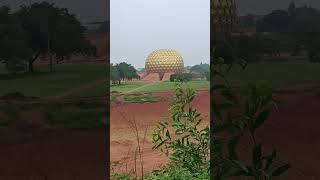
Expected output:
(182, 140)
(184, 77)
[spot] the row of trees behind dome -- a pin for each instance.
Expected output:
(40, 29)
(290, 31)
(124, 71)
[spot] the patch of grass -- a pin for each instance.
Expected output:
(157, 86)
(114, 95)
(128, 86)
(42, 83)
(276, 74)
(141, 98)
(77, 116)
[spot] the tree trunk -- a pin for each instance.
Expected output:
(31, 61)
(51, 63)
(30, 66)
(49, 53)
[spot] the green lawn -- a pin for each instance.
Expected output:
(42, 83)
(277, 74)
(73, 78)
(131, 87)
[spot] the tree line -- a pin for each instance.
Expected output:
(41, 29)
(292, 30)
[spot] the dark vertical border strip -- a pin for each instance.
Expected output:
(107, 145)
(211, 96)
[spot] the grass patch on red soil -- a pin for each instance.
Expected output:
(138, 86)
(146, 97)
(76, 115)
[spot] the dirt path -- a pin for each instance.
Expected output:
(143, 86)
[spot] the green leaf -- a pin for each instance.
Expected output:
(261, 119)
(280, 170)
(270, 159)
(168, 134)
(232, 145)
(256, 154)
(241, 166)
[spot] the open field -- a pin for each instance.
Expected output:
(42, 83)
(277, 74)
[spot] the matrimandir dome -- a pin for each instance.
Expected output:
(164, 61)
(161, 64)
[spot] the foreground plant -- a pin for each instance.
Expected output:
(181, 139)
(232, 120)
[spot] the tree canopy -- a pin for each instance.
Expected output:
(13, 38)
(43, 29)
(122, 71)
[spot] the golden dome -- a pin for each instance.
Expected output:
(164, 61)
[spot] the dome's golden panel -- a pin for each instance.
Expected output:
(164, 61)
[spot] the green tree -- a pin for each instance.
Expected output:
(54, 32)
(123, 71)
(114, 74)
(13, 39)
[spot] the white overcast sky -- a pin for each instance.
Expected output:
(140, 26)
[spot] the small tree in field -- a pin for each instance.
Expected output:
(122, 71)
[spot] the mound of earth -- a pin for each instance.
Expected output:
(17, 96)
(31, 122)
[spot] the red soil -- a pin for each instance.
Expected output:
(123, 140)
(294, 131)
(58, 155)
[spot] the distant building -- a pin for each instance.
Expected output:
(223, 17)
(161, 64)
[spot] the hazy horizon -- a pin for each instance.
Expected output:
(142, 26)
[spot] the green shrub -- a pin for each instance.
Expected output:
(141, 98)
(184, 77)
(181, 140)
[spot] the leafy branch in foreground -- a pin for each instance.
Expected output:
(181, 139)
(234, 119)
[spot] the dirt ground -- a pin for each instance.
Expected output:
(123, 139)
(293, 130)
(68, 155)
